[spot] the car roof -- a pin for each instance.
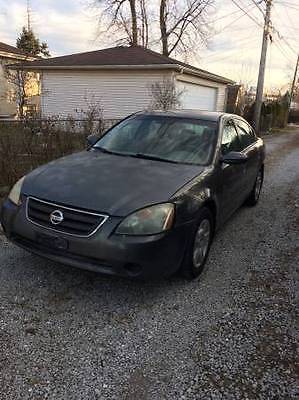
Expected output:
(195, 114)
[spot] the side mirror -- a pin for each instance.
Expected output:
(234, 157)
(92, 139)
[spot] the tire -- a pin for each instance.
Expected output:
(193, 264)
(254, 195)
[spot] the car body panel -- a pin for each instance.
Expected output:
(105, 252)
(108, 183)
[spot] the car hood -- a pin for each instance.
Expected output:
(116, 185)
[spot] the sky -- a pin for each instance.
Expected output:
(234, 45)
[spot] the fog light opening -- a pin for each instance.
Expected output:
(133, 269)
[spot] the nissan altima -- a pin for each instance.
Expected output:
(145, 199)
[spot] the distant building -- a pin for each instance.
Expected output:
(8, 104)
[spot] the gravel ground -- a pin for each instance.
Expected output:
(71, 334)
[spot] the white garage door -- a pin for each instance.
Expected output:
(197, 97)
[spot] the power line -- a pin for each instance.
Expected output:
(248, 15)
(289, 46)
(258, 6)
(224, 16)
(288, 4)
(281, 37)
(235, 20)
(246, 44)
(288, 16)
(281, 50)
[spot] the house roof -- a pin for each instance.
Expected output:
(135, 57)
(6, 48)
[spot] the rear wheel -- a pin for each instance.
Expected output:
(198, 250)
(256, 191)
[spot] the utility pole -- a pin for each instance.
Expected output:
(261, 77)
(293, 84)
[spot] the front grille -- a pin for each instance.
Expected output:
(75, 222)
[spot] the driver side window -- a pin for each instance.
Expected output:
(230, 140)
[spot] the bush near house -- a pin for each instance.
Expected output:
(27, 144)
(274, 113)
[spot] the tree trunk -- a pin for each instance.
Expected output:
(144, 24)
(163, 29)
(134, 23)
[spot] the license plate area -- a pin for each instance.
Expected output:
(53, 242)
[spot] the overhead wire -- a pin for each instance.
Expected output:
(280, 41)
(282, 37)
(258, 6)
(247, 13)
(288, 4)
(235, 20)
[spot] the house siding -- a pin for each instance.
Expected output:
(119, 93)
(221, 88)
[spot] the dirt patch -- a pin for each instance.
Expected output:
(281, 150)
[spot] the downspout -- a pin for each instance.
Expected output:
(181, 72)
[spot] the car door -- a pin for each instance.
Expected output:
(231, 175)
(248, 146)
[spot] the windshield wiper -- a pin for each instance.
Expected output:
(155, 158)
(106, 151)
(136, 155)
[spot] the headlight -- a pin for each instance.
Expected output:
(15, 192)
(148, 221)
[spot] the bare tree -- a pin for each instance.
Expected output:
(144, 27)
(165, 95)
(123, 18)
(92, 115)
(134, 22)
(23, 84)
(179, 25)
(183, 24)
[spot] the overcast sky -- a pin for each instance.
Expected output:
(70, 26)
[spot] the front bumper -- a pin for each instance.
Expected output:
(105, 252)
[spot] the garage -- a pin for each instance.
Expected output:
(197, 97)
(119, 81)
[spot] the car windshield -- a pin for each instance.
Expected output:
(170, 139)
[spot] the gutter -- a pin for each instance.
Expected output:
(16, 56)
(206, 75)
(94, 67)
(176, 67)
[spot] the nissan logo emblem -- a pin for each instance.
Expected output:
(56, 217)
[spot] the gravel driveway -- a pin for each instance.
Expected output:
(71, 334)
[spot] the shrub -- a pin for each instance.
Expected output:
(24, 145)
(165, 95)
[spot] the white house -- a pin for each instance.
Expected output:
(119, 80)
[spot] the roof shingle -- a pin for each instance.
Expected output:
(6, 48)
(132, 56)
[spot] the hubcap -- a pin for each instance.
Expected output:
(201, 243)
(258, 185)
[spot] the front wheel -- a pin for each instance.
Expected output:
(198, 250)
(256, 191)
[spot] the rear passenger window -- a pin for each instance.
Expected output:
(230, 140)
(245, 132)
